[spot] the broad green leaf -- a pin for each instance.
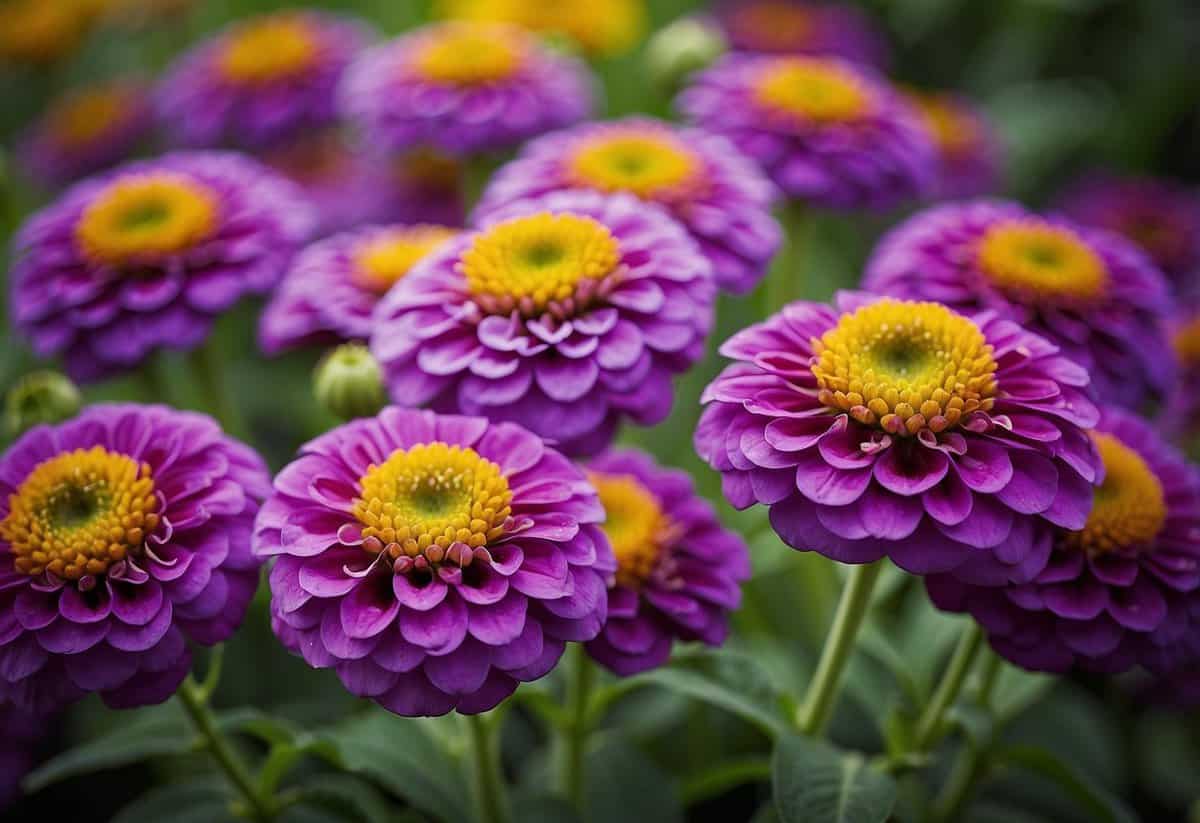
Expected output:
(542, 808)
(198, 801)
(252, 721)
(1100, 804)
(1167, 758)
(1016, 690)
(623, 784)
(347, 797)
(816, 783)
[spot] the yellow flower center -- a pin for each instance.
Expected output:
(269, 49)
(636, 526)
(470, 54)
(1034, 260)
(82, 117)
(79, 512)
(811, 89)
(905, 366)
(600, 26)
(772, 25)
(424, 500)
(540, 261)
(953, 131)
(41, 31)
(1129, 508)
(429, 170)
(144, 217)
(1187, 342)
(648, 165)
(384, 259)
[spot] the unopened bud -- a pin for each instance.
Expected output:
(349, 383)
(39, 397)
(687, 45)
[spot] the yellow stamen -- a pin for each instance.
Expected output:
(1034, 260)
(812, 90)
(387, 257)
(636, 526)
(270, 48)
(650, 165)
(81, 117)
(1129, 508)
(470, 54)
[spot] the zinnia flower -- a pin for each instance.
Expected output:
(968, 151)
(1161, 217)
(262, 80)
(38, 32)
(1124, 589)
(1088, 291)
(722, 199)
(463, 88)
(1181, 416)
(333, 285)
(434, 562)
(678, 570)
(84, 132)
(798, 27)
(601, 27)
(148, 255)
(124, 535)
(423, 186)
(564, 313)
(826, 131)
(902, 429)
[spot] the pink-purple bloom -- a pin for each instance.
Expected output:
(142, 546)
(564, 313)
(1124, 590)
(901, 429)
(719, 196)
(679, 572)
(145, 257)
(259, 81)
(434, 561)
(802, 27)
(967, 148)
(463, 88)
(1091, 292)
(826, 131)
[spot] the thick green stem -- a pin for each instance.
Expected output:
(577, 725)
(210, 379)
(490, 800)
(194, 698)
(817, 709)
(971, 763)
(929, 726)
(786, 278)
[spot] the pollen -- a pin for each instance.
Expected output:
(272, 48)
(811, 90)
(384, 259)
(650, 165)
(79, 512)
(470, 54)
(1034, 260)
(637, 527)
(905, 366)
(1129, 508)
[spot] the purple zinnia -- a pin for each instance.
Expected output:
(967, 149)
(270, 78)
(145, 257)
(563, 313)
(86, 131)
(719, 196)
(1181, 415)
(1124, 589)
(434, 561)
(826, 131)
(678, 569)
(333, 285)
(1089, 291)
(903, 429)
(799, 27)
(124, 535)
(463, 88)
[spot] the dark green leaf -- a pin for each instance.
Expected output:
(542, 808)
(257, 723)
(623, 784)
(346, 796)
(816, 783)
(1100, 804)
(200, 801)
(1168, 758)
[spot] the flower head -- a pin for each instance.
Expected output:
(1090, 292)
(824, 130)
(433, 561)
(260, 81)
(722, 199)
(146, 256)
(86, 131)
(968, 151)
(564, 313)
(801, 27)
(38, 32)
(883, 427)
(1122, 590)
(463, 88)
(678, 570)
(333, 285)
(602, 27)
(124, 535)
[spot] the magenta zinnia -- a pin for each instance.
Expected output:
(802, 27)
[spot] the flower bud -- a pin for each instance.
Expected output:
(349, 383)
(42, 396)
(686, 45)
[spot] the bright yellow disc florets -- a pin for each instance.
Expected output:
(905, 366)
(83, 116)
(812, 90)
(144, 217)
(79, 512)
(271, 48)
(636, 526)
(470, 54)
(386, 258)
(649, 165)
(599, 26)
(424, 499)
(1035, 260)
(1129, 509)
(535, 261)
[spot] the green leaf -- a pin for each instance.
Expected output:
(542, 808)
(1100, 804)
(1167, 758)
(1016, 690)
(728, 680)
(197, 801)
(257, 723)
(346, 796)
(816, 783)
(624, 784)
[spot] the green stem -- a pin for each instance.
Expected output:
(817, 708)
(785, 280)
(476, 174)
(489, 783)
(929, 726)
(724, 776)
(210, 379)
(194, 698)
(971, 763)
(577, 725)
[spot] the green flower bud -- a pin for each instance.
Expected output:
(39, 397)
(680, 48)
(349, 382)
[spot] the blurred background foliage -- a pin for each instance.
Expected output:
(1071, 85)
